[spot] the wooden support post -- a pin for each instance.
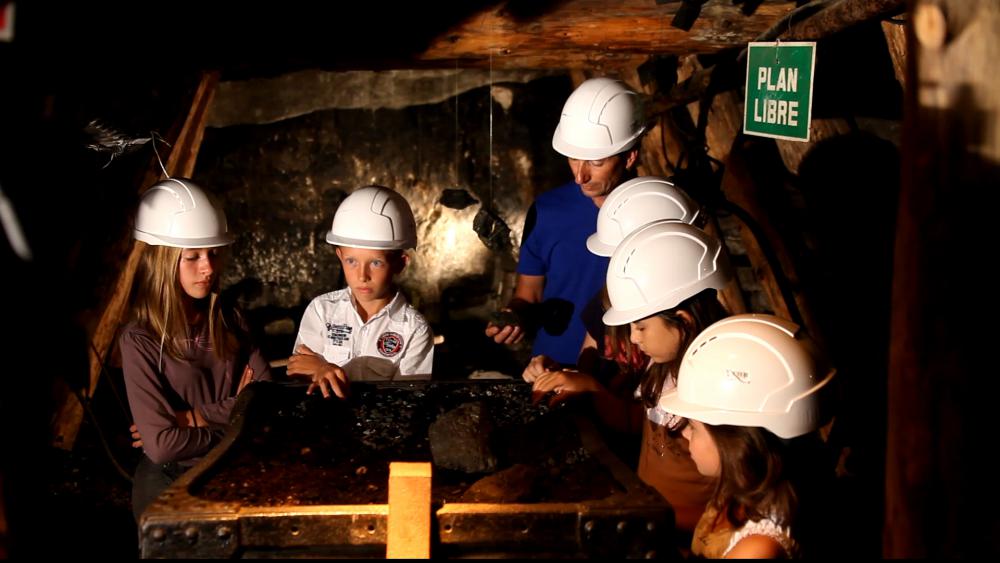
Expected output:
(940, 484)
(181, 161)
(895, 40)
(408, 534)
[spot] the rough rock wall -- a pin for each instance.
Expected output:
(281, 183)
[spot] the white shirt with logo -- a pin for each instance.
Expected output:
(395, 344)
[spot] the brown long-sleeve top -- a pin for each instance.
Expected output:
(158, 388)
(665, 463)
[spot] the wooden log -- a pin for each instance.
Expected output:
(408, 531)
(660, 148)
(180, 162)
(941, 390)
(595, 34)
(837, 17)
(895, 40)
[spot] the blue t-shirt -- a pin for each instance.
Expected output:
(555, 246)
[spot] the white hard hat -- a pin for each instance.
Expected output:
(176, 212)
(601, 118)
(374, 217)
(635, 203)
(752, 370)
(660, 265)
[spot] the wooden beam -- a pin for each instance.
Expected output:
(895, 39)
(596, 33)
(836, 17)
(180, 162)
(408, 530)
(942, 390)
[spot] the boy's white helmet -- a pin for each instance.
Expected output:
(601, 118)
(635, 203)
(374, 217)
(753, 370)
(658, 266)
(176, 212)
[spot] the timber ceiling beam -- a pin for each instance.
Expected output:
(590, 33)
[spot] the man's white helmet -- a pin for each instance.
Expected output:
(660, 265)
(753, 370)
(636, 203)
(601, 118)
(374, 217)
(176, 212)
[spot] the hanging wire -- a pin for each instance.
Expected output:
(456, 124)
(154, 136)
(490, 101)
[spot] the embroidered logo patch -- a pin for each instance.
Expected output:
(338, 334)
(389, 344)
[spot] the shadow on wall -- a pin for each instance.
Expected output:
(851, 187)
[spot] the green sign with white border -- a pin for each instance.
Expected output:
(779, 89)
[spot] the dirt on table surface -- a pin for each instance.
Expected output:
(305, 450)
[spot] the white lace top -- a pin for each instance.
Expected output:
(767, 527)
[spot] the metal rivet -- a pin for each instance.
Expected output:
(158, 534)
(622, 526)
(651, 526)
(651, 554)
(588, 526)
(224, 532)
(191, 532)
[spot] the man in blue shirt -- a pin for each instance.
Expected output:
(599, 133)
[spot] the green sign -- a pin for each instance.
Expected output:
(779, 90)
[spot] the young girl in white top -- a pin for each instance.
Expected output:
(753, 391)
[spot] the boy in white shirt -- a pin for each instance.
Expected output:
(366, 331)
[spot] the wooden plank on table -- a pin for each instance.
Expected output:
(408, 533)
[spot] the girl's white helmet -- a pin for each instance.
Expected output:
(374, 217)
(601, 118)
(176, 212)
(753, 370)
(635, 203)
(660, 265)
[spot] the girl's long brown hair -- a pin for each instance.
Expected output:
(704, 309)
(157, 305)
(763, 476)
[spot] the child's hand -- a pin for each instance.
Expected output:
(538, 366)
(246, 379)
(324, 375)
(136, 438)
(332, 378)
(563, 384)
(190, 419)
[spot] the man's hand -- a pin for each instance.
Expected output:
(323, 375)
(505, 335)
